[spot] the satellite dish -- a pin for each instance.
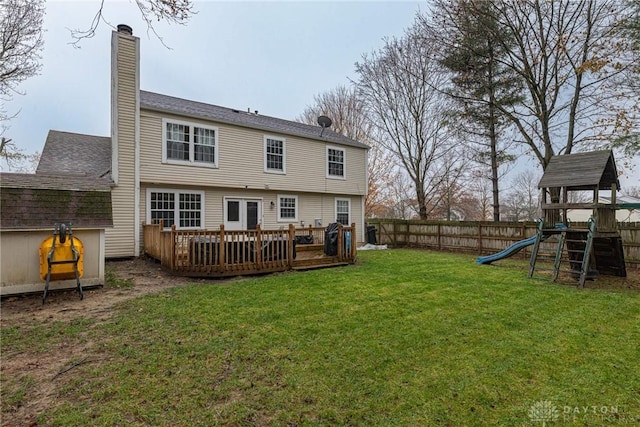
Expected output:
(324, 122)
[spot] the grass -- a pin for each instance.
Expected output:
(113, 281)
(402, 338)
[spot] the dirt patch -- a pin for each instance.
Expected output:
(41, 377)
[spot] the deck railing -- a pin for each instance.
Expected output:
(235, 252)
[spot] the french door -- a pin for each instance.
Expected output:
(242, 214)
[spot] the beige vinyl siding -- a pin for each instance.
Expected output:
(310, 206)
(241, 161)
(120, 238)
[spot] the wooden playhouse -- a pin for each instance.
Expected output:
(580, 250)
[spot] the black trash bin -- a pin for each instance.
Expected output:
(304, 240)
(331, 240)
(371, 234)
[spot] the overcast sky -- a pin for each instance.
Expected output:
(268, 56)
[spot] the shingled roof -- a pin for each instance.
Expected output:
(29, 201)
(66, 152)
(170, 104)
(581, 171)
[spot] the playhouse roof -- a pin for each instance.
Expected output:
(581, 171)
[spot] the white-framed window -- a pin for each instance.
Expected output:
(189, 143)
(183, 208)
(343, 211)
(287, 208)
(275, 154)
(336, 163)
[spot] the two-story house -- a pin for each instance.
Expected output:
(200, 166)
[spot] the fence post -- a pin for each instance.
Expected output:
(523, 233)
(222, 248)
(395, 234)
(292, 236)
(439, 236)
(480, 238)
(353, 241)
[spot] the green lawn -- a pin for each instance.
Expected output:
(404, 337)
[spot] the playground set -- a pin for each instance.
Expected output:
(583, 252)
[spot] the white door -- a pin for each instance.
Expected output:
(242, 214)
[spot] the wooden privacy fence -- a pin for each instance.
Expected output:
(481, 237)
(237, 252)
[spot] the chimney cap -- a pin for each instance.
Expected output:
(124, 28)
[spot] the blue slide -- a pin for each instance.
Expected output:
(511, 250)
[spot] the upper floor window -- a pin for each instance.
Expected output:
(185, 209)
(335, 162)
(274, 154)
(189, 143)
(287, 208)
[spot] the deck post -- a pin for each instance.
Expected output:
(340, 242)
(174, 248)
(159, 241)
(257, 248)
(292, 236)
(353, 241)
(221, 249)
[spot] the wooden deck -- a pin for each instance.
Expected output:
(221, 253)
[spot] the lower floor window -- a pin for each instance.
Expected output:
(287, 208)
(342, 211)
(169, 205)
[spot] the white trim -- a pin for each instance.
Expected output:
(101, 267)
(284, 154)
(176, 207)
(191, 161)
(344, 162)
(243, 210)
(335, 208)
(296, 208)
(114, 107)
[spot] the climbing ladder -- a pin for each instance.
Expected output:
(579, 246)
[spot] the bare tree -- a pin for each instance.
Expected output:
(21, 44)
(21, 38)
(396, 82)
(349, 115)
(479, 81)
(523, 197)
(171, 11)
(563, 53)
(482, 194)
